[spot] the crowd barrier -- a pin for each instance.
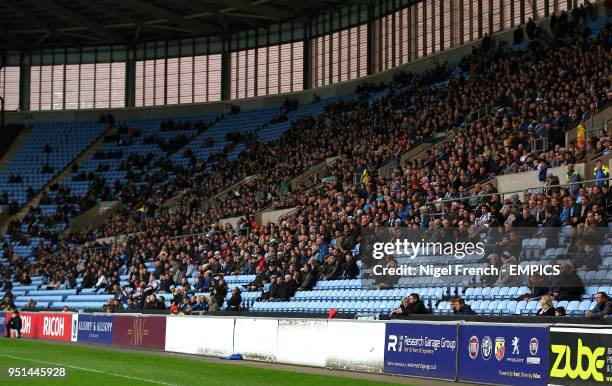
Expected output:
(478, 352)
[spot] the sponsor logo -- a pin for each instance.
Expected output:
(26, 324)
(53, 326)
(473, 347)
(75, 327)
(486, 348)
(392, 344)
(533, 346)
(500, 348)
(138, 332)
(515, 346)
(587, 363)
(533, 360)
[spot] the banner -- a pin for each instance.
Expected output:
(139, 331)
(54, 327)
(503, 355)
(2, 325)
(45, 325)
(580, 356)
(95, 329)
(422, 350)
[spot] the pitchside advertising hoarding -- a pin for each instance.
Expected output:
(503, 354)
(45, 325)
(139, 331)
(580, 356)
(97, 329)
(422, 350)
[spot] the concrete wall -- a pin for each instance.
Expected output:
(233, 221)
(529, 180)
(93, 218)
(272, 215)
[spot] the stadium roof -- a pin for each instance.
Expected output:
(31, 24)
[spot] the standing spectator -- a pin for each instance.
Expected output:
(518, 35)
(601, 173)
(573, 179)
(530, 29)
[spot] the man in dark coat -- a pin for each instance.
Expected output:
(460, 308)
(14, 323)
(410, 305)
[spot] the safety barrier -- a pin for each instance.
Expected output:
(490, 353)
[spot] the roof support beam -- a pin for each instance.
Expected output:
(10, 38)
(81, 20)
(167, 14)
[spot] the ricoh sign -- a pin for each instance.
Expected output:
(45, 325)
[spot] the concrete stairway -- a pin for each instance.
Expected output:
(6, 158)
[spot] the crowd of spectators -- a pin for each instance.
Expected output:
(542, 92)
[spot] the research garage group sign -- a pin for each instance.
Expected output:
(422, 350)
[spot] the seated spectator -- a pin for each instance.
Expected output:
(603, 307)
(102, 281)
(587, 257)
(213, 305)
(149, 303)
(331, 268)
(460, 308)
(30, 306)
(568, 286)
(410, 305)
(200, 304)
(152, 286)
(234, 302)
(546, 306)
(309, 276)
(560, 311)
(287, 290)
(160, 303)
(257, 283)
(350, 270)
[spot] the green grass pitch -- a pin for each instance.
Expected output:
(93, 365)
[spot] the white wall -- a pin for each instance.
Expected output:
(335, 344)
(209, 336)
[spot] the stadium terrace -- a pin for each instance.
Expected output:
(432, 177)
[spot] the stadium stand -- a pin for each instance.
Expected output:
(308, 260)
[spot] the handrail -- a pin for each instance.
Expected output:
(524, 190)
